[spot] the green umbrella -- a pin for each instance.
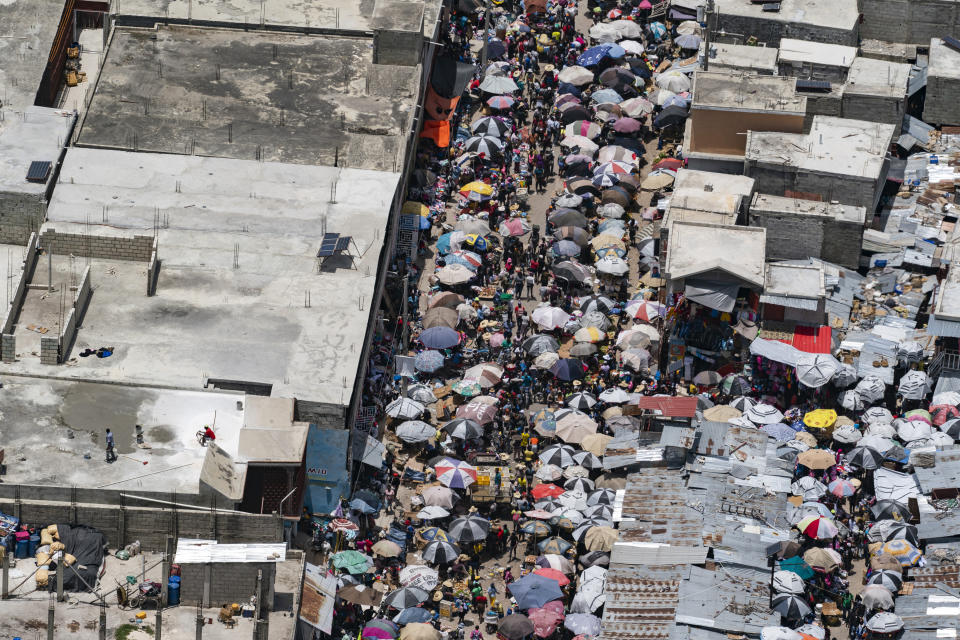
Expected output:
(352, 561)
(798, 566)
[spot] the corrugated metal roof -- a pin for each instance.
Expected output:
(945, 475)
(943, 328)
(658, 500)
(789, 301)
(722, 601)
(813, 339)
(928, 577)
(673, 406)
(674, 436)
(893, 485)
(641, 602)
(712, 438)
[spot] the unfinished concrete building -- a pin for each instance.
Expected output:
(740, 57)
(942, 104)
(909, 21)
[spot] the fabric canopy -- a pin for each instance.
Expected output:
(721, 296)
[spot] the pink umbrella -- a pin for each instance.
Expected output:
(626, 125)
(645, 4)
(556, 606)
(514, 227)
(497, 339)
(544, 621)
(943, 412)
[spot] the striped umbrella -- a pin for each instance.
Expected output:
(488, 145)
(890, 579)
(490, 126)
(583, 128)
(455, 474)
(405, 598)
(440, 552)
(905, 553)
(842, 488)
(463, 428)
(469, 529)
(818, 527)
(558, 454)
(501, 102)
(790, 606)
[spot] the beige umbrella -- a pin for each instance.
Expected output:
(633, 338)
(607, 481)
(605, 240)
(610, 413)
(656, 182)
(595, 443)
(440, 317)
(721, 413)
(648, 330)
(843, 420)
(546, 360)
(488, 400)
(822, 558)
(586, 145)
(387, 549)
(806, 438)
(600, 538)
(446, 299)
(486, 373)
(438, 496)
(818, 459)
(688, 27)
(883, 561)
(419, 631)
(453, 274)
(575, 426)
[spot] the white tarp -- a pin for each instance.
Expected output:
(775, 350)
(316, 601)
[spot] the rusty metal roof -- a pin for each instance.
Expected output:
(641, 602)
(659, 499)
(672, 406)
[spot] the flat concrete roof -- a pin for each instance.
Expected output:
(794, 281)
(697, 248)
(27, 30)
(834, 145)
(797, 206)
(212, 317)
(817, 53)
(877, 77)
(342, 15)
(944, 61)
(253, 95)
(54, 433)
(835, 14)
(741, 57)
(741, 91)
(690, 180)
(37, 133)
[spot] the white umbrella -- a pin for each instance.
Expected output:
(415, 431)
(575, 75)
(674, 81)
(877, 415)
(432, 513)
(909, 430)
(550, 317)
(421, 393)
(808, 487)
(885, 622)
(614, 395)
(627, 29)
(404, 408)
(612, 265)
(632, 46)
(546, 360)
(763, 414)
(871, 389)
(947, 397)
(585, 144)
(816, 369)
(851, 400)
(454, 274)
(847, 433)
(418, 575)
(498, 84)
(914, 385)
(788, 582)
(549, 472)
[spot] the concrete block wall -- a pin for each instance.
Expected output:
(8, 341)
(153, 270)
(136, 248)
(20, 215)
(322, 414)
(226, 583)
(874, 108)
(942, 104)
(50, 350)
(842, 243)
(909, 21)
(771, 31)
(778, 179)
(8, 347)
(397, 47)
(791, 237)
(822, 104)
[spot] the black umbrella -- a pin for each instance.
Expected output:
(784, 549)
(595, 559)
(567, 218)
(566, 87)
(515, 627)
(405, 597)
(890, 510)
(865, 458)
(790, 606)
(579, 168)
(567, 369)
(616, 194)
(581, 187)
(495, 49)
(597, 302)
(440, 552)
(889, 579)
(469, 529)
(573, 114)
(538, 344)
(571, 271)
(617, 75)
(672, 115)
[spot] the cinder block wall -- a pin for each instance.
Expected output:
(842, 243)
(136, 248)
(790, 236)
(873, 108)
(397, 47)
(909, 21)
(771, 31)
(778, 179)
(20, 215)
(942, 104)
(229, 582)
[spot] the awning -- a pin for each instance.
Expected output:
(943, 328)
(721, 296)
(775, 350)
(806, 304)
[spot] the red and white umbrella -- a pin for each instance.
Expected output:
(455, 474)
(342, 525)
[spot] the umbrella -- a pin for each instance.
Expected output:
(469, 529)
(573, 427)
(342, 525)
(822, 558)
(597, 302)
(595, 559)
(600, 538)
(951, 428)
(574, 234)
(583, 623)
(549, 472)
(885, 530)
(515, 627)
(779, 432)
(636, 107)
(890, 579)
(419, 631)
(404, 408)
(779, 633)
(905, 553)
(568, 369)
(360, 594)
(501, 102)
(592, 335)
(910, 430)
(380, 628)
(594, 55)
(463, 428)
(584, 144)
(439, 497)
(687, 41)
(467, 388)
(581, 400)
(539, 343)
(627, 125)
(790, 606)
(798, 566)
(533, 591)
(601, 497)
(941, 413)
(554, 547)
(544, 621)
(387, 549)
(914, 385)
(670, 116)
(808, 487)
(546, 360)
(420, 392)
(490, 126)
(413, 431)
(818, 527)
(487, 374)
(588, 461)
(550, 317)
(842, 488)
(885, 561)
(537, 528)
(487, 145)
(614, 395)
(572, 271)
(784, 549)
(595, 319)
(413, 614)
(445, 299)
(606, 96)
(763, 414)
(707, 378)
(884, 622)
(442, 337)
(352, 561)
(575, 75)
(582, 484)
(788, 582)
(613, 265)
(455, 474)
(555, 560)
(582, 128)
(418, 575)
(847, 433)
(560, 455)
(674, 81)
(546, 490)
(432, 513)
(871, 389)
(875, 415)
(865, 458)
(817, 459)
(440, 552)
(816, 369)
(498, 84)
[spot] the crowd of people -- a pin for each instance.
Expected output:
(533, 319)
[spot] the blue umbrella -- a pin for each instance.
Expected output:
(443, 243)
(428, 361)
(440, 338)
(453, 259)
(779, 431)
(614, 226)
(676, 101)
(362, 506)
(603, 251)
(565, 248)
(606, 95)
(495, 49)
(594, 55)
(658, 29)
(566, 87)
(567, 369)
(413, 614)
(533, 591)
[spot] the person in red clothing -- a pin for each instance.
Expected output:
(208, 435)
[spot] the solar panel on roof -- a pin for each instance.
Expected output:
(343, 242)
(813, 85)
(38, 171)
(951, 42)
(329, 245)
(771, 7)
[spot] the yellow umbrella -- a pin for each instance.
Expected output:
(820, 418)
(589, 334)
(606, 240)
(415, 208)
(482, 188)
